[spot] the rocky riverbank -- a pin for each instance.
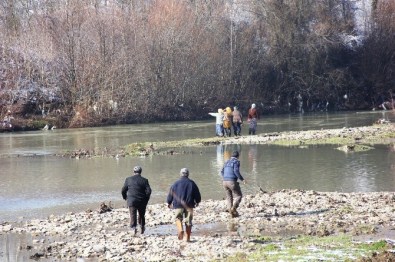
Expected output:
(267, 219)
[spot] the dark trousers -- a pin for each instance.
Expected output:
(140, 208)
(237, 128)
(252, 126)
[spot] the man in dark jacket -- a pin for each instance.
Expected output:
(184, 195)
(137, 192)
(230, 174)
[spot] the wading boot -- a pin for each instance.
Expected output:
(233, 212)
(142, 230)
(180, 229)
(188, 231)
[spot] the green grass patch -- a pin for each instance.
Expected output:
(137, 148)
(271, 248)
(308, 248)
(375, 247)
(150, 147)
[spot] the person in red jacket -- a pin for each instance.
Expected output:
(252, 119)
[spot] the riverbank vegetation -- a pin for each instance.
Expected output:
(89, 63)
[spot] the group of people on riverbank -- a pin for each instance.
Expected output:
(226, 119)
(183, 196)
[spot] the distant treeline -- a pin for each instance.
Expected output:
(94, 62)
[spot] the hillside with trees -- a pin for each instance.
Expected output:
(78, 63)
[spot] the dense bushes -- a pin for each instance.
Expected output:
(105, 62)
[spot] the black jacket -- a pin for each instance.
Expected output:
(136, 190)
(184, 193)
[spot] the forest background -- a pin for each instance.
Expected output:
(78, 63)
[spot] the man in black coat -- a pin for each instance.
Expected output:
(183, 196)
(137, 192)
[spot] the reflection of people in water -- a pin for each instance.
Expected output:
(227, 154)
(220, 156)
(252, 153)
(228, 150)
(224, 153)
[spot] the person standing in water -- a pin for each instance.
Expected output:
(228, 121)
(219, 117)
(237, 121)
(252, 119)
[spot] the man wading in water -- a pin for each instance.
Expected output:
(184, 195)
(230, 174)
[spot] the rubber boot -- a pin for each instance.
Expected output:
(180, 230)
(233, 212)
(188, 231)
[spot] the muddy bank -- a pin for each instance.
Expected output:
(265, 219)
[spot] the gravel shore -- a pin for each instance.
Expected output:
(286, 213)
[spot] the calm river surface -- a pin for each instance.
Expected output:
(36, 184)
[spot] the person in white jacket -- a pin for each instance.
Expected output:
(219, 118)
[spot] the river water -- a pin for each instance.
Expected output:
(34, 183)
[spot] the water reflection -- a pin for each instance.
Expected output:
(224, 153)
(252, 156)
